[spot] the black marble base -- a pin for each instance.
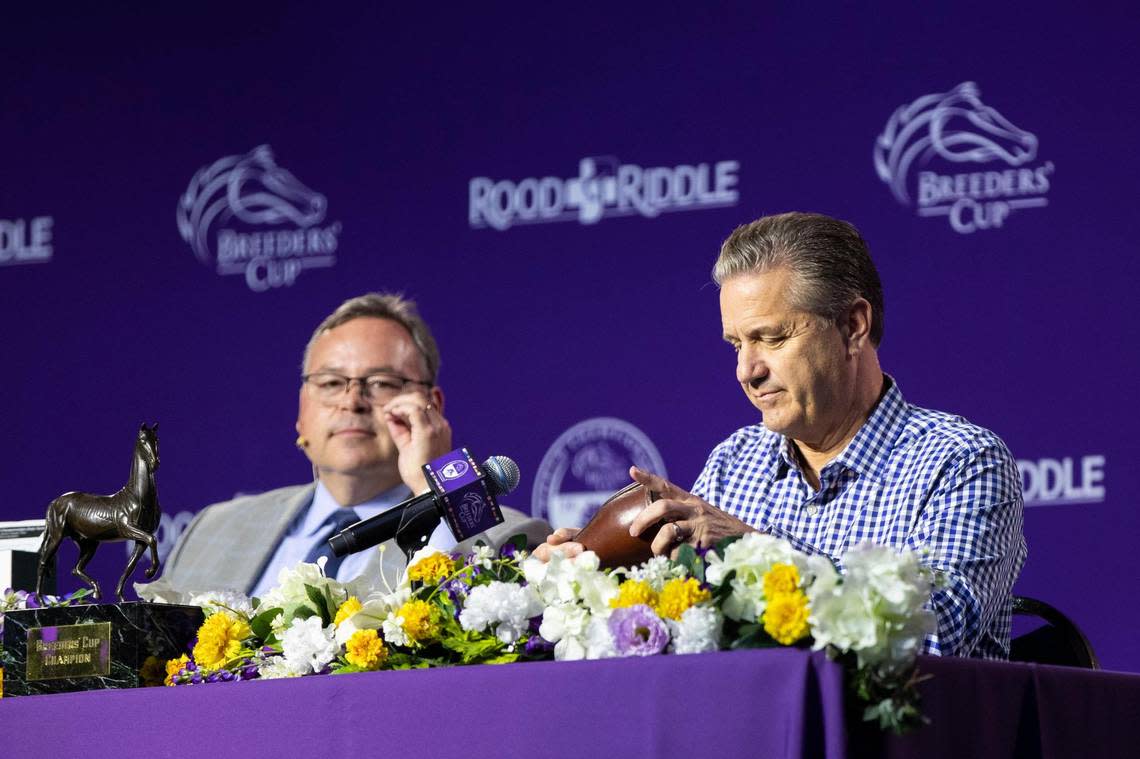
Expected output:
(138, 632)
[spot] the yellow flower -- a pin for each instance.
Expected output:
(632, 593)
(432, 568)
(219, 640)
(678, 595)
(173, 666)
(152, 672)
(1, 682)
(786, 617)
(366, 650)
(781, 578)
(347, 609)
(421, 621)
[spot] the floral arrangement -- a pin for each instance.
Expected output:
(495, 607)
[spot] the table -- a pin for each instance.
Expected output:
(769, 703)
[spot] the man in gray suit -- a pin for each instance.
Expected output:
(370, 416)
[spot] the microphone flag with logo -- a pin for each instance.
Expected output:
(462, 493)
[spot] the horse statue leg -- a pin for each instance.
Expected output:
(87, 548)
(136, 554)
(53, 535)
(143, 539)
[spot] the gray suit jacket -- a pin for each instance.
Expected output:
(229, 544)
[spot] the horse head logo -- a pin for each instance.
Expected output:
(250, 187)
(955, 125)
(471, 509)
(600, 466)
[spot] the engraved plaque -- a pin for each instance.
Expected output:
(66, 651)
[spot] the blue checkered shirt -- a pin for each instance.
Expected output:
(910, 478)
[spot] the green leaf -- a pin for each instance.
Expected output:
(503, 659)
(752, 635)
(304, 612)
(262, 623)
(518, 541)
(472, 646)
(687, 557)
(347, 669)
(319, 604)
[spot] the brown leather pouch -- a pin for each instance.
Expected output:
(607, 533)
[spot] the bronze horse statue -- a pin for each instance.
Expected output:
(132, 513)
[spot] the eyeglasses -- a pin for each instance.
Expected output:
(381, 386)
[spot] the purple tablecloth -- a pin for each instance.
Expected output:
(781, 703)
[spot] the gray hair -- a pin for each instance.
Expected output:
(383, 306)
(829, 258)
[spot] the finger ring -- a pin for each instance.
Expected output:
(678, 536)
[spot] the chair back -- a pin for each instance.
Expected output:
(1059, 641)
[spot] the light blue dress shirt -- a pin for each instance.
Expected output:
(308, 529)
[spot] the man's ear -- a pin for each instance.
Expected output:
(856, 325)
(436, 395)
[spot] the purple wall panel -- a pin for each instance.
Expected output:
(1026, 328)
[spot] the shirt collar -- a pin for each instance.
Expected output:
(324, 504)
(867, 451)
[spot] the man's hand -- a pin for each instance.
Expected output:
(420, 432)
(692, 520)
(560, 541)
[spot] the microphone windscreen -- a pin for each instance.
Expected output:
(502, 474)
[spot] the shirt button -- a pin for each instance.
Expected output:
(812, 510)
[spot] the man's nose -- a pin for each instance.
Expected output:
(750, 366)
(355, 397)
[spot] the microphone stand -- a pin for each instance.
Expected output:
(413, 534)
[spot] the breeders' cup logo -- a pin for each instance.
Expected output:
(454, 469)
(604, 187)
(472, 508)
(586, 465)
(265, 223)
(25, 241)
(1050, 482)
(925, 142)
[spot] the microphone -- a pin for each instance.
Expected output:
(462, 492)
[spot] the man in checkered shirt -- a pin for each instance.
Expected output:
(840, 456)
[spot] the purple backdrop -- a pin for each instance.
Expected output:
(552, 186)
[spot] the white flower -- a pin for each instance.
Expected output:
(374, 610)
(223, 600)
(697, 631)
(820, 576)
(504, 606)
(483, 556)
(897, 579)
(576, 580)
(565, 626)
(393, 630)
(290, 593)
(277, 667)
(657, 571)
(752, 556)
(746, 602)
(599, 641)
(308, 645)
(843, 619)
(878, 610)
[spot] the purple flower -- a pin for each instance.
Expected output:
(536, 645)
(637, 631)
(507, 550)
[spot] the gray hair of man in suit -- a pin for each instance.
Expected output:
(393, 306)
